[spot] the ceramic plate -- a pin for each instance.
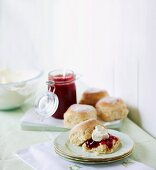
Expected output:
(63, 146)
(85, 161)
(88, 161)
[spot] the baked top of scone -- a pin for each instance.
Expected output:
(92, 95)
(77, 113)
(111, 108)
(93, 137)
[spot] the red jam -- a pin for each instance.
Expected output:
(108, 142)
(65, 89)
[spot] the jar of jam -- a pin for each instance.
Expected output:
(61, 94)
(62, 83)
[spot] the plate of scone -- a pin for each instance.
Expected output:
(90, 142)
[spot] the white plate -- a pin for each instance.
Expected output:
(64, 147)
(85, 161)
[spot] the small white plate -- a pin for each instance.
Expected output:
(64, 147)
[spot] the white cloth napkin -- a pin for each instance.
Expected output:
(43, 157)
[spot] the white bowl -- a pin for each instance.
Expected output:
(23, 86)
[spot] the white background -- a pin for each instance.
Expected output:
(110, 42)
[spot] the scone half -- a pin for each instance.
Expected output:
(82, 131)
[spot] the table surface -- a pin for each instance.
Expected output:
(13, 138)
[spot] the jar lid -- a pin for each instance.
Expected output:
(46, 104)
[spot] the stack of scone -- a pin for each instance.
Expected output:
(93, 137)
(95, 104)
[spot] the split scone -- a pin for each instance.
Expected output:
(93, 137)
(77, 113)
(111, 108)
(92, 95)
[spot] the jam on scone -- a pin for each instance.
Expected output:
(101, 141)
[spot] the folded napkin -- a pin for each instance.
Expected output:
(32, 121)
(43, 157)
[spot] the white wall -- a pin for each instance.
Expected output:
(111, 42)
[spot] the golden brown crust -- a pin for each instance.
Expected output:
(92, 95)
(82, 131)
(77, 113)
(110, 108)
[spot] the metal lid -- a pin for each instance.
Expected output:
(46, 104)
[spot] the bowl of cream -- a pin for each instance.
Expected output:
(18, 85)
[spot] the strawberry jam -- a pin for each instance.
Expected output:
(108, 142)
(65, 89)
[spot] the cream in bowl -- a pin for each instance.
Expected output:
(18, 85)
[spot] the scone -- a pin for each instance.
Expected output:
(93, 137)
(77, 113)
(92, 95)
(110, 108)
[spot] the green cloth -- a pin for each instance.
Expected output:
(13, 138)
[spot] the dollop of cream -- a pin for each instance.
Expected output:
(99, 133)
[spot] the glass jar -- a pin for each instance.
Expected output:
(62, 83)
(60, 95)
